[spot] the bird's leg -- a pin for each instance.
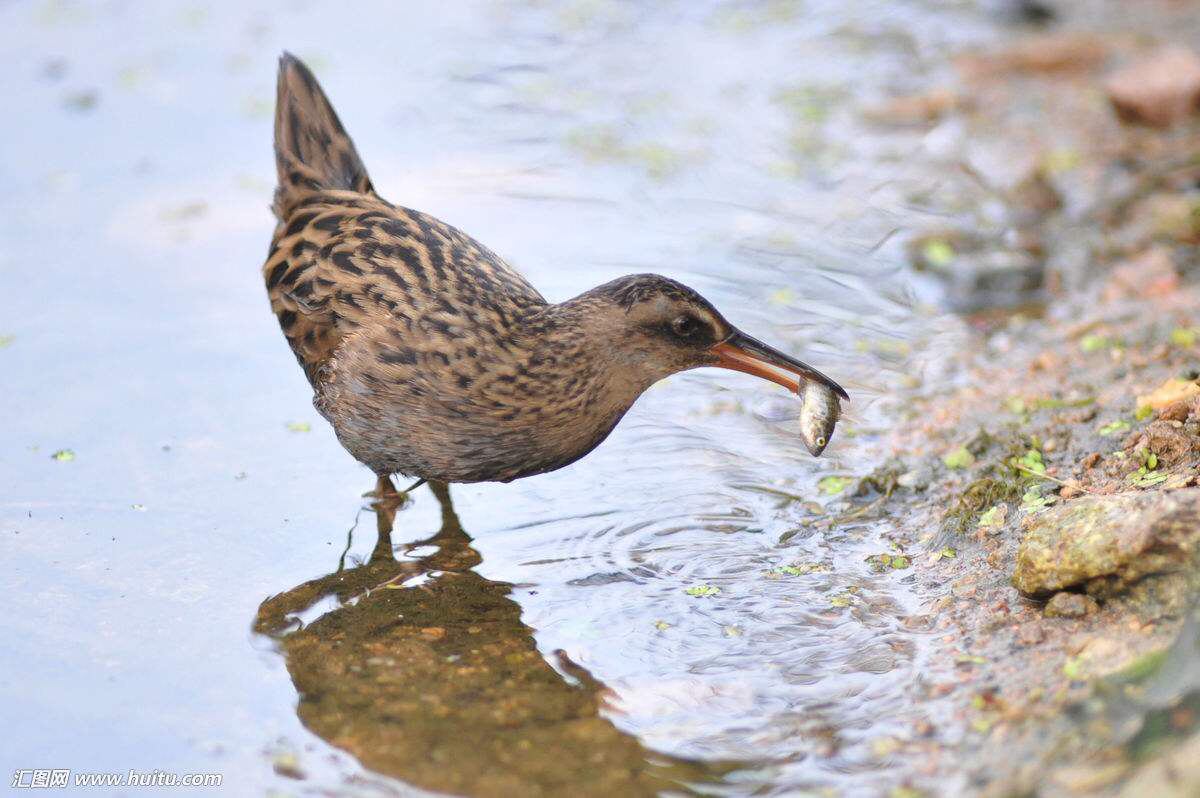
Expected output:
(385, 493)
(385, 489)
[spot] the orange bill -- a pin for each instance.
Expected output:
(740, 352)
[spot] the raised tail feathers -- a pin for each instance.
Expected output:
(313, 152)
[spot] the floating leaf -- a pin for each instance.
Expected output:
(1093, 343)
(883, 747)
(63, 455)
(299, 426)
(983, 725)
(6, 340)
(1060, 160)
(1114, 427)
(946, 553)
(832, 486)
(782, 296)
(703, 591)
(959, 458)
(905, 792)
(937, 252)
(803, 568)
(1059, 404)
(1184, 336)
(883, 562)
(662, 626)
(141, 508)
(84, 100)
(840, 600)
(969, 659)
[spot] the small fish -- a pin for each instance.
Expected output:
(819, 412)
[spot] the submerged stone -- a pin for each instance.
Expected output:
(1160, 90)
(1105, 543)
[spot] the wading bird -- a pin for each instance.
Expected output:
(433, 358)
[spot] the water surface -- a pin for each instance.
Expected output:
(175, 598)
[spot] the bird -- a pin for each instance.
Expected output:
(434, 359)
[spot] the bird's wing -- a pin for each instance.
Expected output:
(343, 260)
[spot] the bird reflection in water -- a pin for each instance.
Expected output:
(424, 671)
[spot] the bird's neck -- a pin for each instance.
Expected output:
(576, 377)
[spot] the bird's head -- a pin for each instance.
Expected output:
(656, 327)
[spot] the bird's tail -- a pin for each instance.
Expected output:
(312, 150)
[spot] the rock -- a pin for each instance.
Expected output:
(1033, 197)
(1172, 391)
(1050, 53)
(973, 274)
(1165, 215)
(917, 478)
(1024, 12)
(1179, 411)
(1087, 779)
(1161, 89)
(1104, 543)
(1070, 605)
(1174, 774)
(915, 109)
(1030, 634)
(1070, 490)
(1150, 274)
(1171, 442)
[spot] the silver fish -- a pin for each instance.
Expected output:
(819, 412)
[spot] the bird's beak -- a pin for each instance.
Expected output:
(740, 352)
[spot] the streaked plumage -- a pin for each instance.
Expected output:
(428, 354)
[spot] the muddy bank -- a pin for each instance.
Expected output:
(1048, 485)
(1061, 553)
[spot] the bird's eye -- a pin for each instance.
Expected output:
(684, 326)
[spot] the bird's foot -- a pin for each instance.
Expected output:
(384, 487)
(386, 496)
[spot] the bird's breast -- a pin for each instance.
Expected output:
(496, 416)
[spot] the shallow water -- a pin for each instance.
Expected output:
(718, 144)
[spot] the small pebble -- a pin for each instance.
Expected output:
(1030, 634)
(1070, 605)
(1070, 491)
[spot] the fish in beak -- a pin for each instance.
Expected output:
(820, 408)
